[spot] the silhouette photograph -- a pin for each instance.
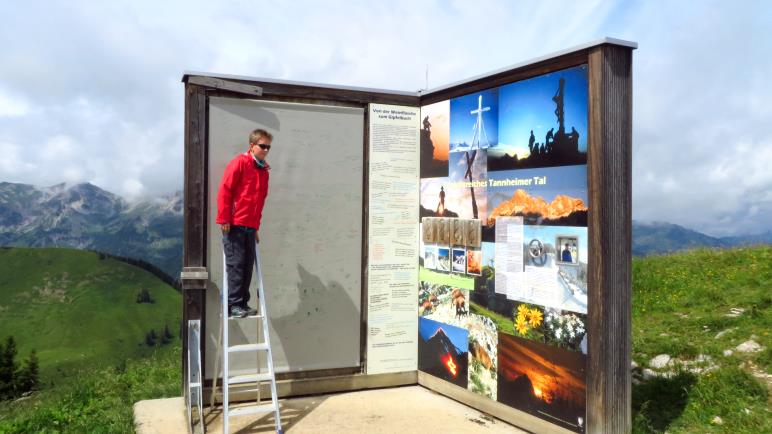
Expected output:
(441, 198)
(542, 122)
(435, 138)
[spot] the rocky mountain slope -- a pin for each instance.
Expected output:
(84, 216)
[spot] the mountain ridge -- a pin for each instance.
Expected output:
(84, 216)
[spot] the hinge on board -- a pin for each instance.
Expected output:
(194, 277)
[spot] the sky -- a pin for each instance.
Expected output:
(463, 121)
(91, 92)
(527, 106)
(458, 336)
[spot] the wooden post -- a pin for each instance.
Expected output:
(195, 216)
(609, 168)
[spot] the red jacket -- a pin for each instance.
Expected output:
(242, 192)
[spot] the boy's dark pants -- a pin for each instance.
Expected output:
(239, 247)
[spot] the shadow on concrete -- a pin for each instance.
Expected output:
(291, 412)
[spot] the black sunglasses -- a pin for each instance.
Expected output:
(264, 147)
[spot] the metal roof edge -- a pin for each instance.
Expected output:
(187, 74)
(580, 47)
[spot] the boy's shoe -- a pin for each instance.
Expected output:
(250, 311)
(238, 312)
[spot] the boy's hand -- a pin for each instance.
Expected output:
(225, 228)
(257, 238)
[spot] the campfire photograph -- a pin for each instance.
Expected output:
(544, 381)
(443, 351)
(542, 122)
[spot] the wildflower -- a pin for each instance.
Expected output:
(535, 318)
(522, 310)
(521, 325)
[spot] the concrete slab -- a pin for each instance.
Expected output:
(403, 410)
(160, 416)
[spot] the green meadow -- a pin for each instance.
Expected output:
(78, 310)
(683, 307)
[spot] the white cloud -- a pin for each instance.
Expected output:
(91, 90)
(132, 188)
(12, 107)
(14, 168)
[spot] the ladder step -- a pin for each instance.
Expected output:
(250, 378)
(252, 409)
(246, 317)
(247, 347)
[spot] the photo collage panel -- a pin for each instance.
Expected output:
(504, 242)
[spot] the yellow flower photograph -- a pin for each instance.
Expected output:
(535, 317)
(520, 325)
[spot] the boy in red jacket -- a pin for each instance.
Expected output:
(240, 201)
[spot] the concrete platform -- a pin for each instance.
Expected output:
(402, 410)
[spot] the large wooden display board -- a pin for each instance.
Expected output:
(524, 251)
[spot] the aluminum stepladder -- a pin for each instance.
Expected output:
(257, 377)
(193, 380)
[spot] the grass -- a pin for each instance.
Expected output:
(679, 305)
(76, 309)
(96, 400)
(680, 302)
(79, 311)
(503, 324)
(449, 279)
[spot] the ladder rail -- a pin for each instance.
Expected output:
(225, 344)
(224, 348)
(267, 339)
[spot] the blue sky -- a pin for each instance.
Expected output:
(457, 166)
(527, 105)
(458, 336)
(462, 121)
(91, 92)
